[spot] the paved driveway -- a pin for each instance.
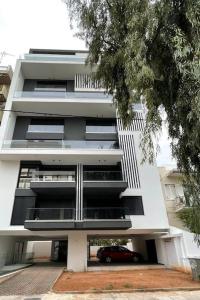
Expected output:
(34, 280)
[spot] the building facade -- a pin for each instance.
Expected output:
(69, 171)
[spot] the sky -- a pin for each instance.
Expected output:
(44, 24)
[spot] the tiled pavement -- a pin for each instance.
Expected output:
(193, 295)
(34, 280)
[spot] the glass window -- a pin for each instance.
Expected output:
(46, 128)
(50, 85)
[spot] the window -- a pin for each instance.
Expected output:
(26, 174)
(46, 128)
(51, 85)
(170, 191)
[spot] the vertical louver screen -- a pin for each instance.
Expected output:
(126, 141)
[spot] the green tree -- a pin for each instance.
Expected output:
(149, 50)
(108, 242)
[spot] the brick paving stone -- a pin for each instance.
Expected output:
(34, 280)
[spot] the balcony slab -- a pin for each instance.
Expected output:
(110, 186)
(42, 186)
(35, 225)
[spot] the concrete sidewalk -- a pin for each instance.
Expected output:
(179, 295)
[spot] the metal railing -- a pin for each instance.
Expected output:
(110, 213)
(61, 144)
(56, 57)
(98, 175)
(86, 82)
(62, 94)
(46, 176)
(98, 213)
(42, 214)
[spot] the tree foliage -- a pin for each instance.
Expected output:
(149, 50)
(108, 242)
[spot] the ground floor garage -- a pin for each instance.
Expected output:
(77, 249)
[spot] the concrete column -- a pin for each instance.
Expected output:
(77, 251)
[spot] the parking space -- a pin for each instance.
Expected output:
(123, 253)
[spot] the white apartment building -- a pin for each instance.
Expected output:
(69, 171)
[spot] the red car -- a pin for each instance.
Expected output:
(118, 253)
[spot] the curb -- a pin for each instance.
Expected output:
(129, 290)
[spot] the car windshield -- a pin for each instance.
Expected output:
(123, 249)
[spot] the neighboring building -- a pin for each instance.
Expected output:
(181, 242)
(173, 192)
(5, 79)
(69, 171)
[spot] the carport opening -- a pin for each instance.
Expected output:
(122, 250)
(38, 251)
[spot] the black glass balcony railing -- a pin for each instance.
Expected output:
(106, 213)
(42, 214)
(46, 176)
(61, 144)
(91, 213)
(97, 175)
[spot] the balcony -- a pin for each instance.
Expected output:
(64, 218)
(55, 58)
(109, 181)
(106, 217)
(49, 218)
(65, 103)
(60, 144)
(63, 95)
(89, 152)
(45, 181)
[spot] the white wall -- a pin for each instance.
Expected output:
(155, 215)
(8, 182)
(192, 249)
(40, 249)
(139, 245)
